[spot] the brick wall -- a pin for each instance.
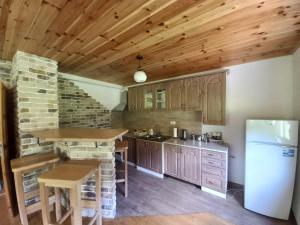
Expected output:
(42, 101)
(37, 100)
(5, 73)
(78, 109)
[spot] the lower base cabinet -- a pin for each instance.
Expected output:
(207, 168)
(183, 163)
(149, 155)
(131, 149)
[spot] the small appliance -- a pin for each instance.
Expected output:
(175, 132)
(183, 134)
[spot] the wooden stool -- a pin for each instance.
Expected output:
(70, 175)
(24, 165)
(122, 147)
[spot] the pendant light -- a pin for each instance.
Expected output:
(140, 76)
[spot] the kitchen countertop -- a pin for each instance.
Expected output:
(198, 144)
(79, 134)
(190, 143)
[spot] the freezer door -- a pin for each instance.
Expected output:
(269, 179)
(284, 132)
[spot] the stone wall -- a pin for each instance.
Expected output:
(37, 100)
(78, 109)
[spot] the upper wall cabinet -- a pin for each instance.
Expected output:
(175, 95)
(206, 94)
(215, 99)
(148, 98)
(161, 97)
(135, 98)
(194, 94)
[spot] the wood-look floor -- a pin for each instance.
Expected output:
(149, 195)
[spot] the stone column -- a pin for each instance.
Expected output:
(35, 81)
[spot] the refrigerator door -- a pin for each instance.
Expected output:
(282, 132)
(269, 179)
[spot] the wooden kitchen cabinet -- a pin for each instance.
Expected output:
(132, 99)
(194, 93)
(214, 100)
(131, 149)
(175, 95)
(172, 160)
(183, 163)
(149, 155)
(155, 154)
(206, 94)
(135, 98)
(214, 170)
(190, 165)
(142, 154)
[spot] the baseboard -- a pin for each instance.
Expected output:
(222, 195)
(159, 175)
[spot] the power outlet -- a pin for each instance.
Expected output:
(172, 122)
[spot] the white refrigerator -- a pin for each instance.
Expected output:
(271, 156)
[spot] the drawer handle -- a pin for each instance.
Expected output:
(210, 154)
(210, 182)
(210, 163)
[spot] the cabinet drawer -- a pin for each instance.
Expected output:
(214, 155)
(213, 162)
(214, 182)
(214, 170)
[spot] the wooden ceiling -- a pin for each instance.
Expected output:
(100, 39)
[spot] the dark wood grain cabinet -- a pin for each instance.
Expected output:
(205, 93)
(131, 149)
(149, 155)
(183, 163)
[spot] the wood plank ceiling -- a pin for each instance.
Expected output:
(100, 39)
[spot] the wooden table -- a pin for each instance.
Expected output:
(70, 175)
(25, 164)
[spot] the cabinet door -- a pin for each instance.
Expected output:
(131, 149)
(191, 165)
(155, 154)
(194, 93)
(161, 97)
(214, 101)
(132, 99)
(172, 160)
(175, 95)
(142, 153)
(148, 98)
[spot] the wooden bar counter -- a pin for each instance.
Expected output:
(79, 134)
(89, 143)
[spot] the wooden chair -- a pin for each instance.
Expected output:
(122, 148)
(70, 175)
(25, 165)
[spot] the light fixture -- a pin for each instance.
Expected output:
(139, 76)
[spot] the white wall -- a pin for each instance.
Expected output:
(107, 94)
(296, 61)
(262, 89)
